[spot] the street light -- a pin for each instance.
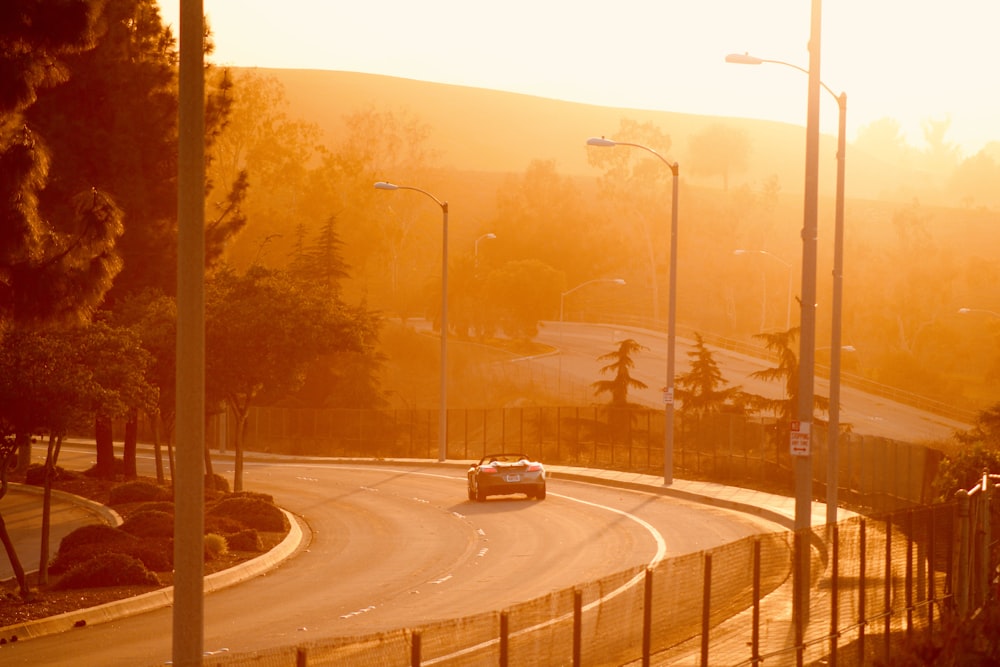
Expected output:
(488, 235)
(788, 265)
(443, 418)
(800, 439)
(966, 311)
(562, 297)
(833, 459)
(668, 392)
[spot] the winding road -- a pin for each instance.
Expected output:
(392, 547)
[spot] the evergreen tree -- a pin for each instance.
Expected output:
(703, 390)
(51, 266)
(787, 372)
(621, 364)
(121, 137)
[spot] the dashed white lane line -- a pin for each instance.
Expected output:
(359, 611)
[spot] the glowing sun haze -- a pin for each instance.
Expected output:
(910, 60)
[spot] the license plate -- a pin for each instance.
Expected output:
(513, 478)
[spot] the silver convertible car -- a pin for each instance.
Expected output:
(504, 474)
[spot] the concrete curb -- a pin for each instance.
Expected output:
(162, 597)
(106, 514)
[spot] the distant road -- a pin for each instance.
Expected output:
(581, 344)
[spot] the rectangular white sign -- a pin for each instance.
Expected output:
(799, 439)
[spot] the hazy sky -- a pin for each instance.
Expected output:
(911, 60)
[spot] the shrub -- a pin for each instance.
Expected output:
(964, 469)
(108, 570)
(150, 523)
(158, 506)
(155, 553)
(117, 468)
(98, 533)
(138, 491)
(35, 474)
(266, 497)
(215, 546)
(215, 482)
(252, 513)
(247, 539)
(223, 525)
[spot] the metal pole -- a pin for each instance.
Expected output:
(833, 444)
(188, 614)
(807, 353)
(443, 429)
(668, 398)
(443, 416)
(668, 390)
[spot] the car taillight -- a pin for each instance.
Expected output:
(534, 467)
(487, 470)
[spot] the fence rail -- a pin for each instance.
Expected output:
(883, 582)
(899, 570)
(876, 474)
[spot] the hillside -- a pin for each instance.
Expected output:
(481, 130)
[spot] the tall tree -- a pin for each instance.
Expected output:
(277, 152)
(122, 138)
(153, 318)
(519, 294)
(262, 330)
(720, 150)
(542, 214)
(51, 267)
(46, 386)
(703, 390)
(620, 364)
(781, 344)
(122, 389)
(636, 184)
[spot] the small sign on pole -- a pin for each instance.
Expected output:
(799, 440)
(668, 395)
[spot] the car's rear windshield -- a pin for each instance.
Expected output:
(507, 458)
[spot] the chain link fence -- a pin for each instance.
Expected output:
(875, 474)
(879, 583)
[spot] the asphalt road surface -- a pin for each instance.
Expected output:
(389, 547)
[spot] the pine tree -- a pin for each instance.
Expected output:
(621, 365)
(703, 390)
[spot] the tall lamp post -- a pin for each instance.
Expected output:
(800, 434)
(488, 235)
(443, 418)
(668, 391)
(788, 265)
(562, 297)
(833, 459)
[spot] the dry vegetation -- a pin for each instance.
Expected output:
(52, 599)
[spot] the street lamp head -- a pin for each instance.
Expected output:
(601, 141)
(740, 251)
(618, 281)
(490, 235)
(964, 311)
(385, 185)
(743, 59)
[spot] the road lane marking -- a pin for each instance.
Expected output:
(359, 611)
